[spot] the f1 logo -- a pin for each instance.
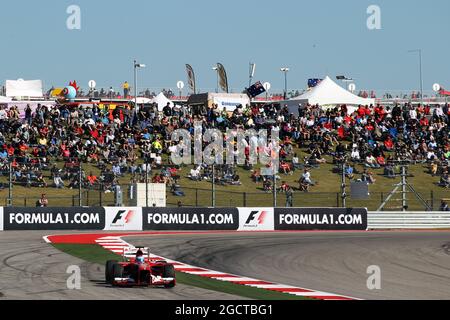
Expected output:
(252, 217)
(120, 214)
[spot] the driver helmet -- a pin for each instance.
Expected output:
(140, 259)
(139, 256)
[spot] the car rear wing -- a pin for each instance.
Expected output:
(130, 252)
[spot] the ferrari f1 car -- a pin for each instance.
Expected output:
(139, 270)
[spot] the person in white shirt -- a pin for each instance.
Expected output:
(371, 162)
(295, 162)
(195, 173)
(355, 155)
(3, 114)
(158, 160)
(306, 177)
(438, 111)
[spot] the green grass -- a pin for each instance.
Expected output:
(88, 252)
(249, 194)
(96, 254)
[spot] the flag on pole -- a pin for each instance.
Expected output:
(191, 78)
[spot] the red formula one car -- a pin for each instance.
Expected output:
(139, 270)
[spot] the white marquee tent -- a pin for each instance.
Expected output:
(22, 88)
(327, 93)
(161, 100)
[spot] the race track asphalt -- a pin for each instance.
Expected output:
(31, 269)
(413, 265)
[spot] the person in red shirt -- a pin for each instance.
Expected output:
(370, 127)
(361, 111)
(92, 179)
(94, 133)
(341, 132)
(10, 150)
(328, 125)
(156, 179)
(389, 144)
(424, 121)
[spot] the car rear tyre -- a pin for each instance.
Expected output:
(109, 270)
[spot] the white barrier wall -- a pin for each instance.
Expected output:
(408, 220)
(240, 219)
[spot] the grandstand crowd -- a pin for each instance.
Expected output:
(122, 142)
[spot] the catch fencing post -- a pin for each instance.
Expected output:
(196, 197)
(213, 200)
(10, 200)
(432, 200)
(274, 189)
(100, 195)
(80, 181)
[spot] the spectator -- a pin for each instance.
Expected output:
(59, 183)
(126, 89)
(195, 174)
(371, 162)
(367, 176)
(92, 179)
(445, 180)
(43, 201)
(289, 194)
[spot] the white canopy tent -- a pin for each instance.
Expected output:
(327, 93)
(161, 100)
(22, 88)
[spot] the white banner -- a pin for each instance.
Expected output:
(256, 219)
(230, 103)
(123, 218)
(156, 195)
(22, 88)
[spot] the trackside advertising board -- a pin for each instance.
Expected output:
(76, 218)
(256, 219)
(190, 219)
(320, 219)
(123, 219)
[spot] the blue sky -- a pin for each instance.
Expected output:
(313, 38)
